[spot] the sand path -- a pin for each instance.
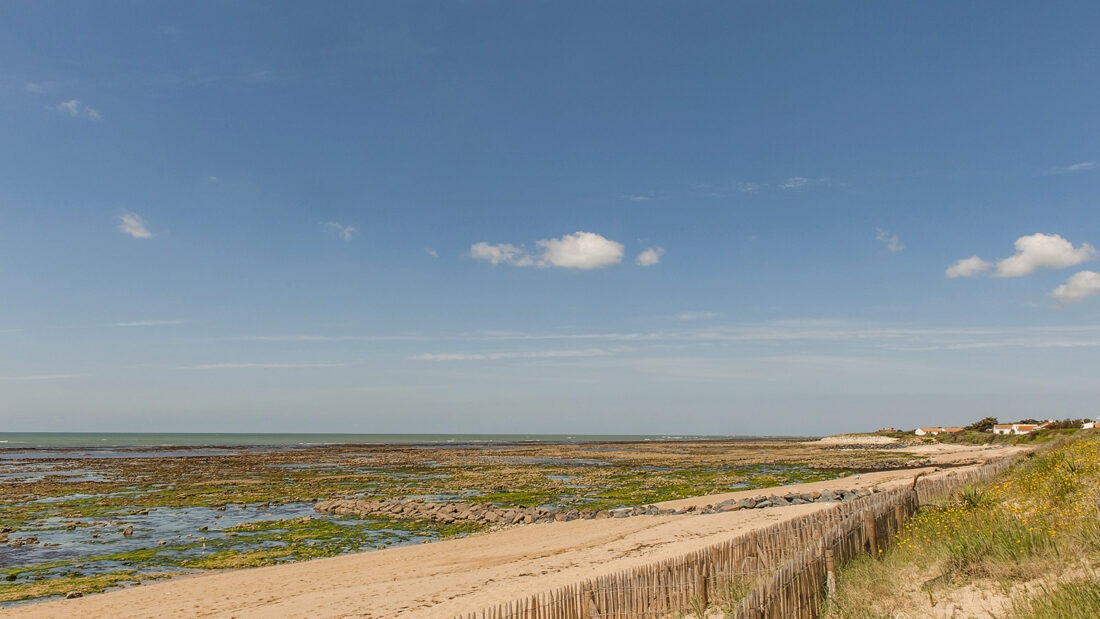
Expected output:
(448, 578)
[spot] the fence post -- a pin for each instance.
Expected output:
(588, 603)
(870, 533)
(899, 515)
(830, 572)
(701, 583)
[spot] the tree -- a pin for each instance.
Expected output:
(983, 425)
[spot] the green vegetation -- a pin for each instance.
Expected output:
(1073, 599)
(1007, 538)
(88, 502)
(11, 592)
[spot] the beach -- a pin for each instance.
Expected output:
(452, 577)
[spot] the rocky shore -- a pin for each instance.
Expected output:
(489, 514)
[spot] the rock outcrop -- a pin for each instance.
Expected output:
(482, 513)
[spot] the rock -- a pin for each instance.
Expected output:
(128, 531)
(73, 594)
(763, 504)
(729, 507)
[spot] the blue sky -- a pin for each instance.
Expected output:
(643, 217)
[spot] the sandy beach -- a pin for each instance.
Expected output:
(448, 578)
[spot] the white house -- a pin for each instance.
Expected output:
(937, 430)
(1021, 428)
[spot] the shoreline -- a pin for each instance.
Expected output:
(448, 578)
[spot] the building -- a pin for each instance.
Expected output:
(937, 430)
(1021, 428)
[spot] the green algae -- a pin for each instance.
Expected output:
(14, 592)
(562, 476)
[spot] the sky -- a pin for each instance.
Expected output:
(745, 217)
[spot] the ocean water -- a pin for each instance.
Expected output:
(85, 440)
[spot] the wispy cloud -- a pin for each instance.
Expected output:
(38, 377)
(891, 241)
(968, 267)
(133, 225)
(42, 87)
(638, 197)
(524, 355)
(501, 253)
(150, 323)
(689, 316)
(333, 338)
(431, 251)
(795, 182)
(260, 366)
(649, 257)
(699, 332)
(1083, 166)
(344, 233)
(75, 109)
(248, 78)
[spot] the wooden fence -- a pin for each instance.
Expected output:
(779, 571)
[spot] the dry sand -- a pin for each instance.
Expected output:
(448, 578)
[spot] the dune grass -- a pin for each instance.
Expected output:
(1004, 544)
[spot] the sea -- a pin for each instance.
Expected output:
(91, 440)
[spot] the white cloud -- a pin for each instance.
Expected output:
(1076, 167)
(891, 241)
(801, 182)
(1043, 251)
(431, 252)
(696, 315)
(501, 253)
(968, 267)
(260, 366)
(500, 356)
(134, 225)
(649, 257)
(75, 109)
(580, 250)
(150, 323)
(346, 233)
(795, 182)
(638, 197)
(1078, 287)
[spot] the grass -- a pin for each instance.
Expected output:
(1005, 538)
(1072, 599)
